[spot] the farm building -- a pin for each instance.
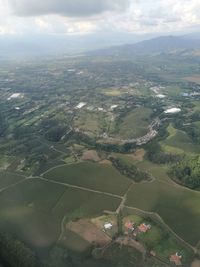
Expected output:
(129, 225)
(108, 226)
(143, 228)
(176, 259)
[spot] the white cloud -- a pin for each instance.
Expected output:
(143, 16)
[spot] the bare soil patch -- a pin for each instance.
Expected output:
(139, 154)
(194, 79)
(89, 232)
(196, 263)
(91, 155)
(106, 161)
(126, 241)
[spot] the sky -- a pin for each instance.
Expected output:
(85, 17)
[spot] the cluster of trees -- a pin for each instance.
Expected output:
(3, 124)
(156, 155)
(187, 172)
(15, 253)
(130, 170)
(52, 129)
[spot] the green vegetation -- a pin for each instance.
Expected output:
(177, 206)
(130, 170)
(95, 176)
(42, 132)
(8, 178)
(179, 142)
(135, 123)
(187, 172)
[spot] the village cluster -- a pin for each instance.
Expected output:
(132, 230)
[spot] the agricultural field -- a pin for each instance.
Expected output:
(59, 140)
(102, 177)
(9, 178)
(194, 79)
(179, 207)
(34, 209)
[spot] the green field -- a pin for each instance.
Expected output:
(179, 142)
(34, 209)
(135, 123)
(91, 122)
(179, 207)
(94, 176)
(8, 178)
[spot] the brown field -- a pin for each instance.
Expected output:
(139, 154)
(194, 79)
(90, 155)
(105, 161)
(196, 263)
(89, 232)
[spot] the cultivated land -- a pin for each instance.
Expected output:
(94, 176)
(68, 114)
(178, 207)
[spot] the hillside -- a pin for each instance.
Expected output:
(164, 44)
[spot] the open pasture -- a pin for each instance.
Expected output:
(178, 206)
(135, 123)
(102, 177)
(179, 142)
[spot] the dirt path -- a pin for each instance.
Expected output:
(131, 242)
(122, 204)
(77, 187)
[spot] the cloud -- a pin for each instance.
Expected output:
(71, 8)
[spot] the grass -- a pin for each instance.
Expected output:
(94, 176)
(179, 142)
(90, 122)
(178, 206)
(74, 242)
(135, 123)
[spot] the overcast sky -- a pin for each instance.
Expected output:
(92, 16)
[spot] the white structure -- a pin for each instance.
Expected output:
(108, 226)
(113, 107)
(15, 95)
(172, 110)
(161, 96)
(81, 105)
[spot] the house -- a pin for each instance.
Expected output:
(129, 225)
(143, 228)
(108, 226)
(176, 259)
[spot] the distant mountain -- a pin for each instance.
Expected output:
(164, 44)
